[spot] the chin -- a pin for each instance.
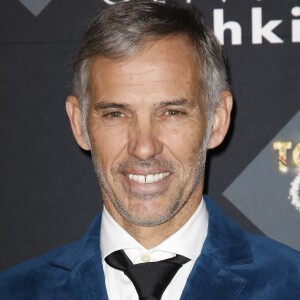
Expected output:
(147, 221)
(147, 216)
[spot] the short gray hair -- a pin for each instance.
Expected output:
(120, 30)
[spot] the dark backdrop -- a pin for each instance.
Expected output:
(49, 193)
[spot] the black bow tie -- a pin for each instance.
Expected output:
(150, 279)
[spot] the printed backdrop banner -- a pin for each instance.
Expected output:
(49, 192)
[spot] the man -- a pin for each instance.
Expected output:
(151, 95)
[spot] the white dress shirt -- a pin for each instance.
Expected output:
(187, 241)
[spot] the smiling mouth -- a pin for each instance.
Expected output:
(150, 178)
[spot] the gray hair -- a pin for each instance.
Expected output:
(119, 31)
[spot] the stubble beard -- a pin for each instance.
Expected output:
(181, 196)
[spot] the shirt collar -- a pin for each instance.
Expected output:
(187, 241)
(113, 237)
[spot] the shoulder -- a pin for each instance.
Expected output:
(268, 251)
(274, 272)
(233, 239)
(269, 269)
(54, 274)
(34, 274)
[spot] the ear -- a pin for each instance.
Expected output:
(74, 114)
(221, 120)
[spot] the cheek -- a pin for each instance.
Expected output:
(183, 143)
(108, 144)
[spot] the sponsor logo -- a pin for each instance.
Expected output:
(267, 191)
(262, 31)
(294, 193)
(289, 160)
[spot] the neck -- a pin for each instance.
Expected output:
(151, 236)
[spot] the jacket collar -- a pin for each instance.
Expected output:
(225, 241)
(226, 247)
(80, 250)
(82, 262)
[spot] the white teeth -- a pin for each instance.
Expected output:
(151, 178)
(140, 179)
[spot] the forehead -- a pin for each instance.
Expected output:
(161, 66)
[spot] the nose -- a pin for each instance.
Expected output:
(144, 140)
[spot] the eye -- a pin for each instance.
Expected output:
(112, 118)
(173, 112)
(114, 114)
(173, 116)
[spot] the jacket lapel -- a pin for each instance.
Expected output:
(81, 266)
(226, 247)
(213, 276)
(210, 280)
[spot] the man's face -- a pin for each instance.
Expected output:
(146, 123)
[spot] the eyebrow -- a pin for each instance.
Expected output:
(107, 105)
(177, 102)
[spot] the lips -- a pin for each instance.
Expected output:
(149, 178)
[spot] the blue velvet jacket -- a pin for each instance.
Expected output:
(233, 264)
